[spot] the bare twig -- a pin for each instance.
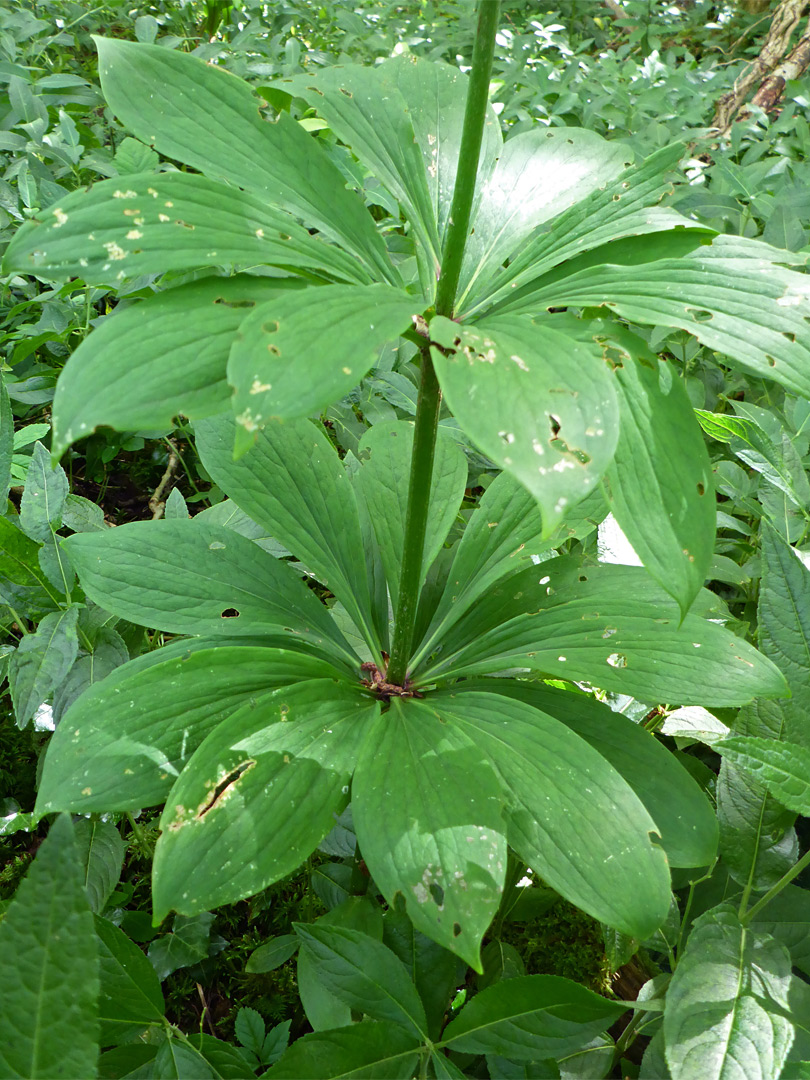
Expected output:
(616, 9)
(157, 503)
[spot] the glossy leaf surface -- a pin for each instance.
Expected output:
(427, 811)
(621, 877)
(259, 794)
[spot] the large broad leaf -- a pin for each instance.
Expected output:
(383, 480)
(539, 174)
(683, 815)
(727, 1003)
(403, 119)
(625, 208)
(427, 809)
(190, 577)
(787, 918)
(207, 118)
(751, 309)
(538, 403)
(177, 366)
(377, 1048)
(124, 743)
(620, 877)
(533, 1017)
(615, 628)
(48, 992)
(130, 997)
(259, 794)
(782, 767)
(784, 627)
(294, 484)
(152, 223)
(299, 353)
(365, 974)
(667, 513)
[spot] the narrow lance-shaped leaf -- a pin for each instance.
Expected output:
(44, 497)
(727, 1002)
(124, 743)
(544, 769)
(179, 366)
(427, 809)
(293, 483)
(48, 992)
(208, 118)
(190, 577)
(130, 996)
(6, 441)
(538, 403)
(299, 353)
(152, 223)
(42, 660)
(259, 794)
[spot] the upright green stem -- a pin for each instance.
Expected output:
(747, 916)
(427, 407)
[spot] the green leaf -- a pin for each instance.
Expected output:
(551, 417)
(272, 954)
(667, 514)
(727, 1002)
(207, 118)
(530, 1018)
(786, 917)
(784, 627)
(177, 1060)
(620, 877)
(44, 497)
(6, 441)
(259, 794)
(50, 984)
(187, 944)
(373, 1050)
(750, 309)
(109, 652)
(365, 974)
(101, 851)
(19, 562)
(615, 628)
(539, 173)
(130, 997)
(433, 970)
(249, 1029)
(386, 451)
(151, 223)
(293, 483)
(300, 352)
(125, 742)
(683, 815)
(132, 157)
(225, 1059)
(427, 812)
(42, 660)
(189, 577)
(323, 1009)
(194, 325)
(783, 768)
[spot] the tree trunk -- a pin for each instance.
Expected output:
(786, 18)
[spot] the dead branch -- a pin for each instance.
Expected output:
(157, 503)
(786, 18)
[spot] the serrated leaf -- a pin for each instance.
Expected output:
(376, 1048)
(544, 768)
(386, 450)
(323, 1009)
(249, 1029)
(365, 974)
(258, 794)
(101, 851)
(50, 978)
(530, 1018)
(278, 160)
(130, 997)
(782, 767)
(187, 944)
(125, 742)
(132, 156)
(193, 577)
(427, 810)
(434, 970)
(727, 1002)
(42, 660)
(287, 336)
(152, 223)
(786, 917)
(293, 483)
(551, 417)
(195, 324)
(43, 501)
(109, 652)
